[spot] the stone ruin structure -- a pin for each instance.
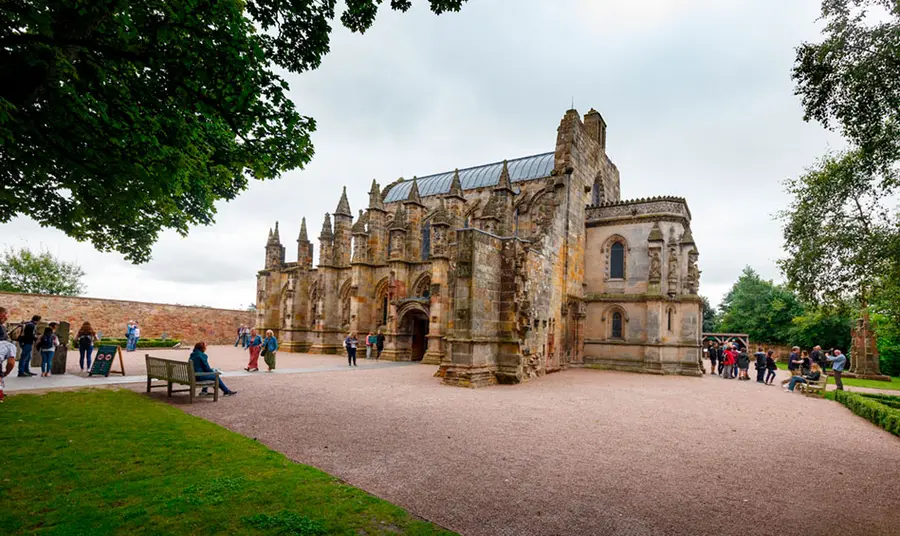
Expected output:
(499, 273)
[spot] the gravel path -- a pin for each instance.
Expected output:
(583, 451)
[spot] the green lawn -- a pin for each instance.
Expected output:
(115, 462)
(893, 385)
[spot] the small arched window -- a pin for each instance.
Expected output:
(617, 325)
(384, 310)
(426, 242)
(669, 320)
(617, 261)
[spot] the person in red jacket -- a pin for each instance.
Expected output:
(730, 360)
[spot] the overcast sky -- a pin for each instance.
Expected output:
(697, 95)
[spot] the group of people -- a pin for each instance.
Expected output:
(132, 336)
(731, 360)
(374, 345)
(45, 341)
(257, 346)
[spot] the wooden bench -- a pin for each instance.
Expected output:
(180, 372)
(816, 388)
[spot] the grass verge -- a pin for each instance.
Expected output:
(893, 385)
(115, 462)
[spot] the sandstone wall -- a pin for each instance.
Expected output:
(188, 324)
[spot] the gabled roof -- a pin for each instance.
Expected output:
(520, 169)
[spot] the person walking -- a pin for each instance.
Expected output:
(370, 345)
(771, 367)
(269, 347)
(713, 352)
(245, 339)
(48, 344)
(26, 342)
(379, 345)
(240, 332)
(129, 335)
(86, 338)
(760, 365)
(135, 337)
(202, 369)
(350, 344)
(254, 345)
(839, 361)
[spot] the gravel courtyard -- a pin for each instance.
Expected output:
(582, 451)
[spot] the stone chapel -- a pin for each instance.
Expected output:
(499, 273)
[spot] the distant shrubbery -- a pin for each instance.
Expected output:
(883, 410)
(142, 343)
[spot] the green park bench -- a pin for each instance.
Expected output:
(180, 372)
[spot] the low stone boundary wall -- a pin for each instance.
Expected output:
(110, 317)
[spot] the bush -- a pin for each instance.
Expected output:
(888, 400)
(142, 343)
(871, 407)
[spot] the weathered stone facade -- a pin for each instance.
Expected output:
(185, 323)
(499, 273)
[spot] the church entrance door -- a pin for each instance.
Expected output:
(419, 335)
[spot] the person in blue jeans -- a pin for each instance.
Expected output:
(814, 374)
(86, 338)
(49, 342)
(26, 341)
(200, 361)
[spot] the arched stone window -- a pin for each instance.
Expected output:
(426, 241)
(313, 303)
(345, 304)
(617, 260)
(670, 313)
(423, 287)
(618, 321)
(382, 303)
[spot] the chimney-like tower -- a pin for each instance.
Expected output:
(503, 195)
(595, 127)
(360, 239)
(304, 247)
(343, 236)
(274, 250)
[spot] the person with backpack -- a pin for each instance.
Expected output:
(743, 361)
(26, 342)
(269, 347)
(713, 352)
(771, 367)
(86, 338)
(48, 345)
(760, 364)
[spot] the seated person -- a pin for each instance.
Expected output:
(200, 361)
(814, 375)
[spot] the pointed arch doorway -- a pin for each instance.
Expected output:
(412, 336)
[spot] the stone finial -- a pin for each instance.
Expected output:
(327, 233)
(376, 201)
(441, 216)
(399, 222)
(655, 234)
(414, 196)
(360, 226)
(343, 208)
(456, 186)
(492, 209)
(269, 240)
(504, 182)
(303, 236)
(276, 239)
(687, 238)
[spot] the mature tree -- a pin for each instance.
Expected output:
(759, 308)
(710, 318)
(119, 119)
(828, 328)
(39, 273)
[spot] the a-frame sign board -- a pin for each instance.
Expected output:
(102, 364)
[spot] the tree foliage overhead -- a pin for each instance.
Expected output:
(842, 231)
(39, 273)
(120, 119)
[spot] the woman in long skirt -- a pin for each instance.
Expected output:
(255, 345)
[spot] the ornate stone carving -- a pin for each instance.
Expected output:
(673, 271)
(655, 266)
(693, 275)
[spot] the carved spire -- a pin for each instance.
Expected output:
(360, 226)
(655, 234)
(492, 209)
(303, 236)
(399, 222)
(269, 240)
(456, 186)
(441, 216)
(375, 199)
(343, 208)
(327, 233)
(275, 238)
(414, 196)
(504, 183)
(687, 237)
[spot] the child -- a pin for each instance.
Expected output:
(48, 345)
(729, 362)
(770, 367)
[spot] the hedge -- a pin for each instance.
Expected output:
(871, 408)
(142, 343)
(888, 400)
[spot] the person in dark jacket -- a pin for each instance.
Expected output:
(350, 344)
(814, 374)
(743, 363)
(200, 362)
(713, 353)
(805, 363)
(379, 345)
(760, 365)
(26, 341)
(720, 357)
(818, 357)
(771, 367)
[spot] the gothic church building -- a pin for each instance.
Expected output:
(499, 273)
